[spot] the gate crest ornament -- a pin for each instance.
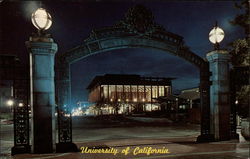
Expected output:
(139, 20)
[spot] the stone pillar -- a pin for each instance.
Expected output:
(219, 94)
(43, 133)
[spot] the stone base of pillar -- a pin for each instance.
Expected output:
(235, 136)
(224, 138)
(20, 149)
(205, 138)
(66, 147)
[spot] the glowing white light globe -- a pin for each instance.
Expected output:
(10, 102)
(20, 104)
(216, 35)
(41, 19)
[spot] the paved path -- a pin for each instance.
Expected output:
(178, 139)
(179, 148)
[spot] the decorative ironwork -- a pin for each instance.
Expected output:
(139, 20)
(64, 125)
(21, 125)
(94, 47)
(205, 98)
(21, 110)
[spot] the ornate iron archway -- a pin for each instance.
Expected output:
(137, 30)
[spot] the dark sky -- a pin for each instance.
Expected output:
(73, 21)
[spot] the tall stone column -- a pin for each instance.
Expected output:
(219, 94)
(43, 133)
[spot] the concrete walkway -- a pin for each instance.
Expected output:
(178, 139)
(179, 148)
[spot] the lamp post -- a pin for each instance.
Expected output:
(220, 87)
(41, 19)
(42, 52)
(216, 35)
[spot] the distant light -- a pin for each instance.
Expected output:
(111, 100)
(236, 102)
(41, 19)
(119, 100)
(216, 35)
(10, 102)
(67, 115)
(20, 104)
(143, 100)
(127, 100)
(135, 100)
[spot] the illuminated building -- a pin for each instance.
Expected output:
(124, 94)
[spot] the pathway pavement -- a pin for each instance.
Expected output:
(178, 148)
(178, 139)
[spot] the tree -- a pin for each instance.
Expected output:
(240, 47)
(241, 54)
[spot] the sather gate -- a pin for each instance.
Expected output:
(139, 30)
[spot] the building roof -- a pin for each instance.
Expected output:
(128, 79)
(191, 94)
(167, 98)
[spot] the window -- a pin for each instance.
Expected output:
(148, 93)
(141, 96)
(112, 92)
(127, 93)
(161, 91)
(119, 90)
(134, 93)
(154, 92)
(104, 91)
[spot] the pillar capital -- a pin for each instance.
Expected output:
(218, 55)
(41, 45)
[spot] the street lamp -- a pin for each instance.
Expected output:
(10, 102)
(42, 50)
(41, 19)
(216, 35)
(20, 104)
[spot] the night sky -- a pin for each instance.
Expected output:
(73, 21)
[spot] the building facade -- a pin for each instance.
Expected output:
(121, 94)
